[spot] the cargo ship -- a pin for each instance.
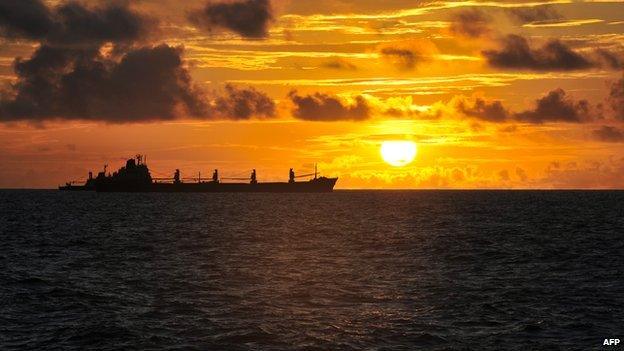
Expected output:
(136, 177)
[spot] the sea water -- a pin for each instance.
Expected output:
(350, 270)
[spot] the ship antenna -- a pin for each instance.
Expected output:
(315, 170)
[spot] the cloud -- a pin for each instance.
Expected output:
(557, 107)
(479, 108)
(553, 55)
(609, 134)
(405, 59)
(69, 77)
(323, 107)
(339, 64)
(243, 103)
(405, 55)
(534, 14)
(616, 98)
(113, 22)
(471, 23)
(71, 22)
(89, 65)
(145, 84)
(24, 19)
(589, 174)
(248, 18)
(609, 59)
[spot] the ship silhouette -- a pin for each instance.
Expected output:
(136, 177)
(89, 184)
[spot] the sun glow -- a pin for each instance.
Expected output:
(398, 153)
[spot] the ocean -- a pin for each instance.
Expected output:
(350, 270)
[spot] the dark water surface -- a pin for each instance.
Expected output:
(438, 270)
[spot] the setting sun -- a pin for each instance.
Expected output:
(398, 153)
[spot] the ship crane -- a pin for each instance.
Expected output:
(315, 174)
(306, 175)
(236, 177)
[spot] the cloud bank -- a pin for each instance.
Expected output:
(90, 65)
(145, 84)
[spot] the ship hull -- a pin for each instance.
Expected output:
(321, 185)
(75, 188)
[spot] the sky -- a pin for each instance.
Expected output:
(496, 94)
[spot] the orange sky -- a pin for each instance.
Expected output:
(497, 94)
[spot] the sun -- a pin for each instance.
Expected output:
(398, 153)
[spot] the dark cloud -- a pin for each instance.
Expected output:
(29, 19)
(340, 64)
(554, 55)
(616, 98)
(248, 18)
(534, 14)
(145, 84)
(71, 22)
(112, 22)
(609, 134)
(609, 59)
(492, 111)
(405, 59)
(243, 103)
(557, 107)
(470, 23)
(70, 77)
(323, 107)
